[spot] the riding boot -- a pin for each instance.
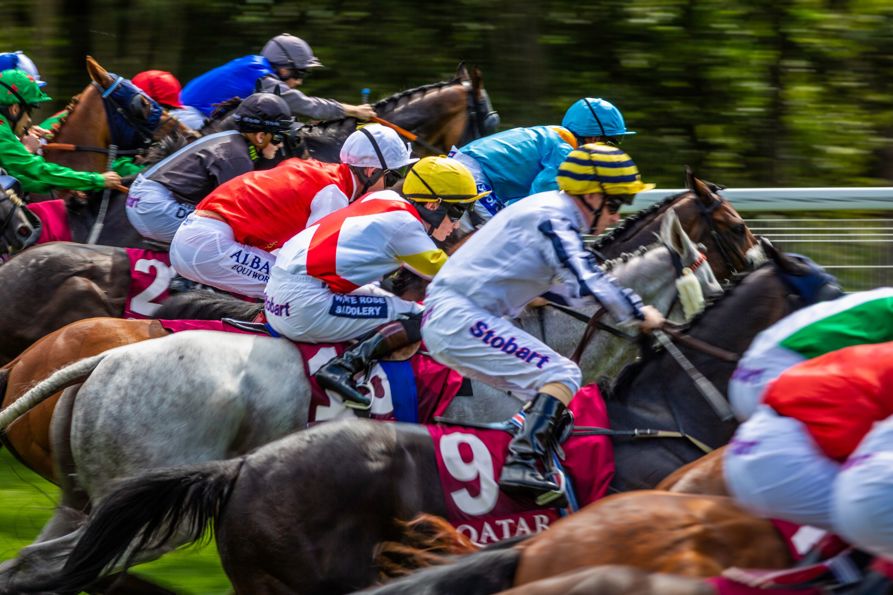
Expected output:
(521, 474)
(338, 374)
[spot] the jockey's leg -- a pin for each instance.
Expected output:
(862, 502)
(303, 308)
(486, 347)
(774, 469)
(204, 250)
(338, 374)
(153, 211)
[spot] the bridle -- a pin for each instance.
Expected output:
(17, 204)
(722, 244)
(482, 118)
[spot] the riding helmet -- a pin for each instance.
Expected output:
(288, 51)
(600, 167)
(263, 112)
(593, 116)
(19, 87)
(160, 85)
(376, 146)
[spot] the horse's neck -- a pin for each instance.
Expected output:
(84, 125)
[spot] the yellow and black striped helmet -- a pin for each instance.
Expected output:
(599, 167)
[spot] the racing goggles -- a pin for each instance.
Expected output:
(392, 176)
(295, 73)
(615, 202)
(455, 210)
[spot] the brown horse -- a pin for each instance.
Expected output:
(109, 111)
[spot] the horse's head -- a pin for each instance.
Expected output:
(135, 119)
(483, 120)
(19, 227)
(686, 255)
(802, 275)
(719, 226)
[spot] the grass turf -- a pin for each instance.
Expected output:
(27, 501)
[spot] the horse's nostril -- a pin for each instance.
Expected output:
(23, 231)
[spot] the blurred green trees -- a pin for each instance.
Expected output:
(748, 92)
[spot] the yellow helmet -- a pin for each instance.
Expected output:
(434, 179)
(599, 167)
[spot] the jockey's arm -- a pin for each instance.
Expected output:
(564, 250)
(550, 159)
(416, 251)
(38, 175)
(315, 108)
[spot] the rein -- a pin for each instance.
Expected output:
(89, 149)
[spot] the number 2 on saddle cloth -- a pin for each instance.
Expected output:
(470, 459)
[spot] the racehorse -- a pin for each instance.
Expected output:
(110, 111)
(652, 273)
(445, 114)
(94, 281)
(395, 460)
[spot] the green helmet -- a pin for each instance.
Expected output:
(19, 87)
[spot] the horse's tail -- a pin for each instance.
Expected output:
(204, 305)
(144, 512)
(426, 540)
(63, 378)
(489, 571)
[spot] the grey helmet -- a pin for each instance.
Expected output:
(288, 51)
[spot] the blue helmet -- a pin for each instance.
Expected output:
(593, 116)
(18, 59)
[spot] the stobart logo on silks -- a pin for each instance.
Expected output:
(359, 306)
(509, 346)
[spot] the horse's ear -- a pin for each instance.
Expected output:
(462, 72)
(99, 74)
(701, 188)
(477, 79)
(769, 249)
(671, 232)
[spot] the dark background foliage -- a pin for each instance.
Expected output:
(748, 92)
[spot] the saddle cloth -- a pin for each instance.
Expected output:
(470, 460)
(414, 391)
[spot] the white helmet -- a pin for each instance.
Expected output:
(376, 146)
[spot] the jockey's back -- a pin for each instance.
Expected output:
(266, 208)
(360, 244)
(236, 78)
(839, 396)
(517, 255)
(521, 161)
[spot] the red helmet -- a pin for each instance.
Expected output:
(161, 86)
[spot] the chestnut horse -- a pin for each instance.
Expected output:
(344, 484)
(110, 111)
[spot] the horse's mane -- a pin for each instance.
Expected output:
(629, 222)
(633, 370)
(609, 265)
(69, 109)
(385, 105)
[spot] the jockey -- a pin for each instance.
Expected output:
(523, 161)
(507, 264)
(855, 319)
(19, 94)
(819, 450)
(228, 240)
(163, 87)
(283, 62)
(322, 287)
(162, 196)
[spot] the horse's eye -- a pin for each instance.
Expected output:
(740, 229)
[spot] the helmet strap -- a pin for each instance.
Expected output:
(368, 181)
(595, 115)
(432, 217)
(596, 213)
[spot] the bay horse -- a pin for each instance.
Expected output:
(652, 273)
(341, 479)
(109, 111)
(71, 283)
